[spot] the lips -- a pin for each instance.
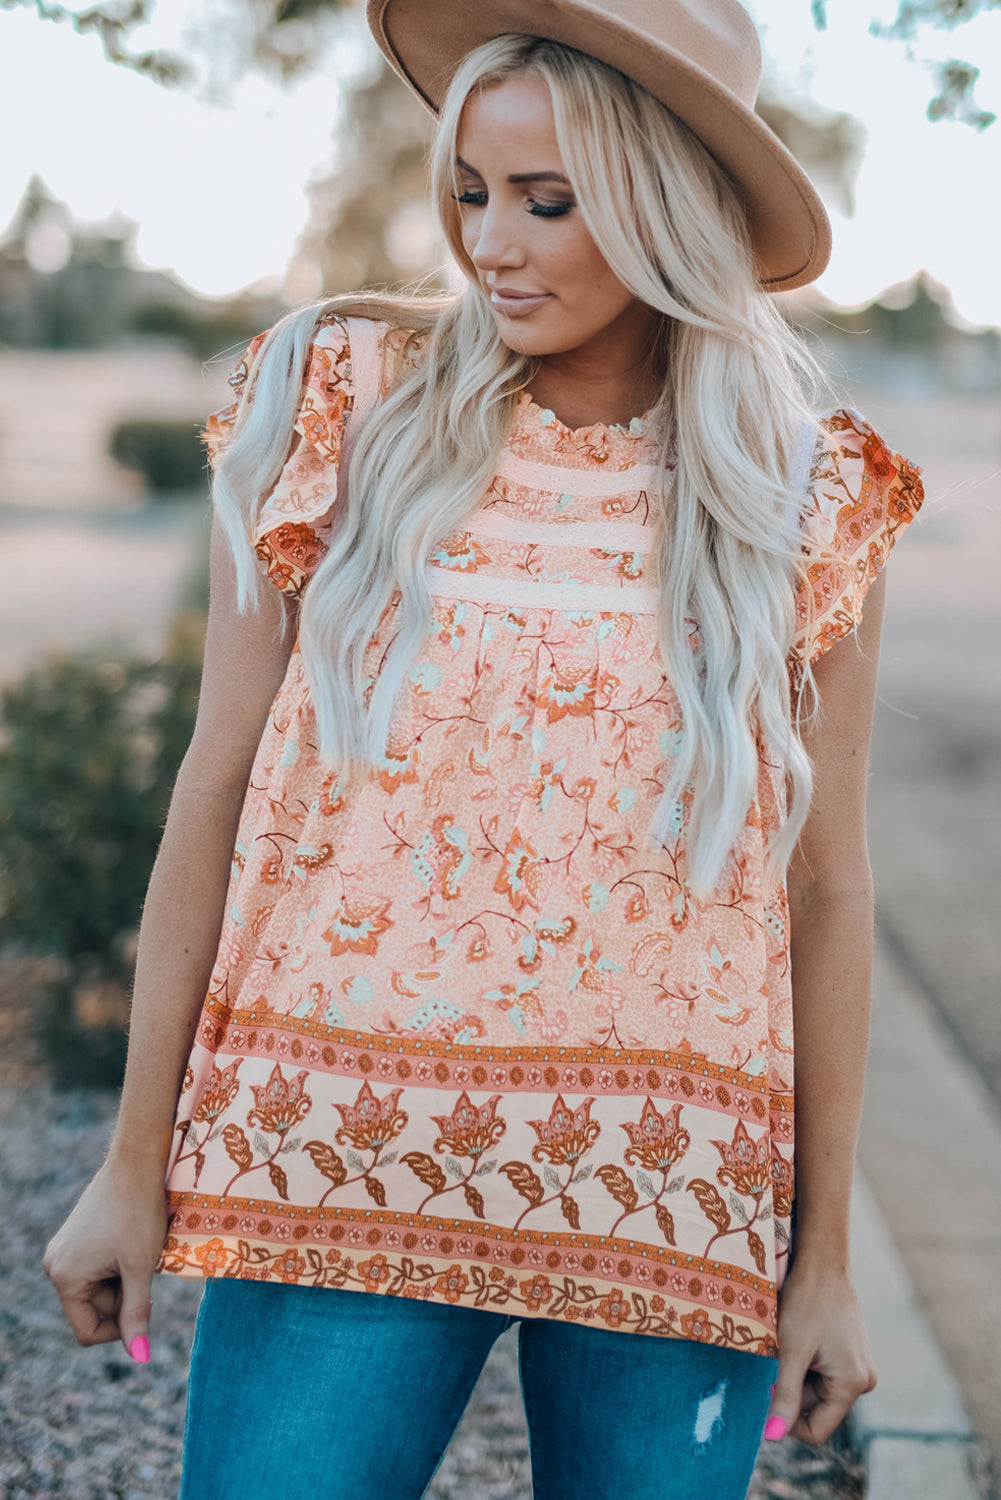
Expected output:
(515, 304)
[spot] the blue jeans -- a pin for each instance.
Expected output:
(317, 1392)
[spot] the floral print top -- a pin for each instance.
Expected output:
(468, 1037)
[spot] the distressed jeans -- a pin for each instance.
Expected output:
(298, 1391)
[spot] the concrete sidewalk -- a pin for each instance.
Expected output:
(926, 1255)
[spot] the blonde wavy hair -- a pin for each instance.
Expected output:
(727, 547)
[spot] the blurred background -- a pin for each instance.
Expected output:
(174, 174)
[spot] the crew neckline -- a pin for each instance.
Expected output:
(543, 416)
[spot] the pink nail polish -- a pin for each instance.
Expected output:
(139, 1349)
(773, 1390)
(775, 1428)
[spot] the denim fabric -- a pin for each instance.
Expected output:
(328, 1394)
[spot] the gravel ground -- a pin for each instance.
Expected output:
(89, 1424)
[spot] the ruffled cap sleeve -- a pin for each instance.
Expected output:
(218, 429)
(293, 526)
(860, 498)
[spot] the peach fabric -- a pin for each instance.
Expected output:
(469, 1037)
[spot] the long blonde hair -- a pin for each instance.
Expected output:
(727, 547)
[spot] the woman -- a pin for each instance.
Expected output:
(492, 1016)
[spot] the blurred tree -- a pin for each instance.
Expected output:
(68, 286)
(89, 753)
(280, 37)
(87, 764)
(954, 80)
(352, 238)
(360, 237)
(828, 144)
(167, 454)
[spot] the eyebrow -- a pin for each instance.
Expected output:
(518, 176)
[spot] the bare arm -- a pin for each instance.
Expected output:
(101, 1259)
(245, 663)
(831, 915)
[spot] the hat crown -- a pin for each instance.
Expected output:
(718, 36)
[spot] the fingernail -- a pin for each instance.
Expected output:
(775, 1428)
(139, 1348)
(773, 1390)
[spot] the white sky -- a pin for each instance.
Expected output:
(219, 191)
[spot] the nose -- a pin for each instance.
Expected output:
(493, 241)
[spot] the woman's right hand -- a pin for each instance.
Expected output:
(101, 1259)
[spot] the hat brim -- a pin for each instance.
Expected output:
(789, 227)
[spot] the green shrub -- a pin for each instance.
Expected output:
(90, 749)
(168, 454)
(206, 333)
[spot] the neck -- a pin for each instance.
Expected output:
(591, 385)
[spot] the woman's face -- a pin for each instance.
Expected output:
(525, 235)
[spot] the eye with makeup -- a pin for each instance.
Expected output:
(538, 210)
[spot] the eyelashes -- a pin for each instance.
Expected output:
(538, 210)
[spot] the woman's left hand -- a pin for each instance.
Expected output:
(825, 1362)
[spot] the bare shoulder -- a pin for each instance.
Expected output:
(245, 662)
(833, 854)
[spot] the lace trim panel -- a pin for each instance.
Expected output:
(558, 479)
(563, 598)
(609, 536)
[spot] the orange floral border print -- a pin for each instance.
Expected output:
(451, 1065)
(535, 1148)
(536, 1278)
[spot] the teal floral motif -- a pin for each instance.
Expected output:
(596, 896)
(332, 1015)
(623, 799)
(426, 677)
(440, 858)
(430, 1012)
(519, 1000)
(591, 965)
(358, 989)
(547, 777)
(775, 924)
(447, 623)
(671, 740)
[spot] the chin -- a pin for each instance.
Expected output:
(524, 344)
(533, 341)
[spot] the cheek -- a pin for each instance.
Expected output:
(581, 272)
(466, 236)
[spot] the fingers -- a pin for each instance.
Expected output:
(831, 1401)
(89, 1307)
(101, 1311)
(101, 1260)
(789, 1395)
(812, 1414)
(135, 1310)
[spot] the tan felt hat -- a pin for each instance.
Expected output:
(702, 58)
